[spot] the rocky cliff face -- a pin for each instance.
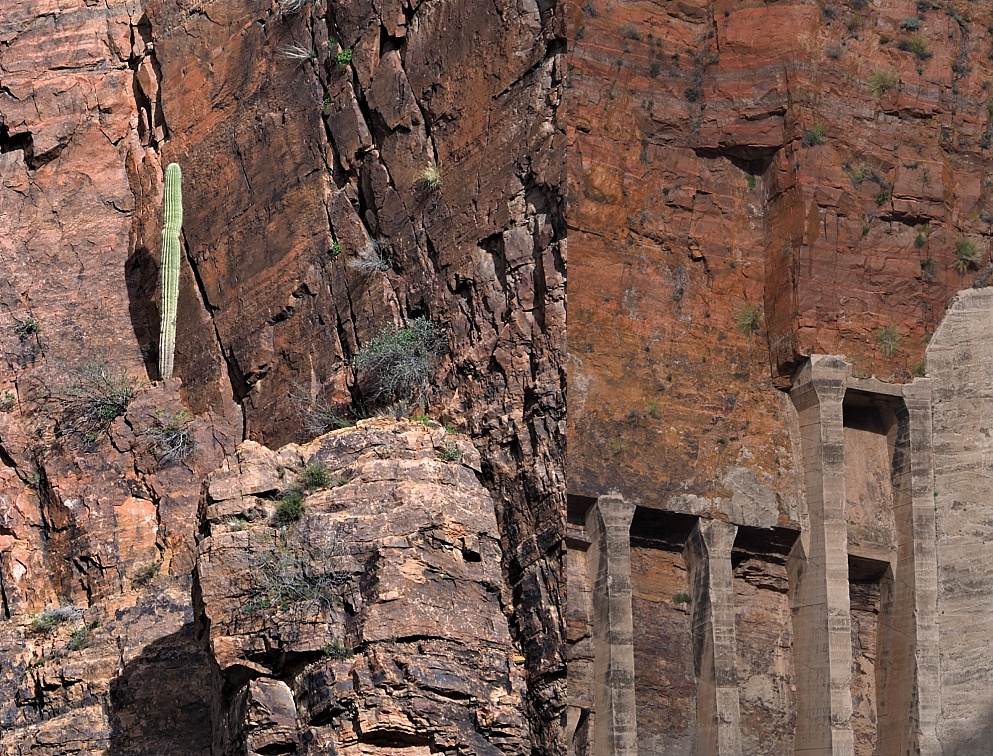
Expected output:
(754, 185)
(347, 167)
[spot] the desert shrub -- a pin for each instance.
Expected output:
(297, 52)
(748, 319)
(451, 453)
(50, 619)
(630, 31)
(344, 57)
(319, 415)
(7, 401)
(966, 254)
(881, 82)
(814, 135)
(78, 639)
(400, 361)
(289, 7)
(929, 270)
(371, 259)
(144, 574)
(289, 507)
(918, 44)
(682, 598)
(911, 23)
(431, 177)
(888, 340)
(172, 436)
(93, 398)
(337, 650)
(314, 476)
(305, 569)
(26, 328)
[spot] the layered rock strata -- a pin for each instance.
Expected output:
(310, 227)
(373, 623)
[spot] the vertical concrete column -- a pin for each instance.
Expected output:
(921, 557)
(821, 610)
(615, 725)
(708, 552)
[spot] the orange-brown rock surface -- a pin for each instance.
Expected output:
(725, 157)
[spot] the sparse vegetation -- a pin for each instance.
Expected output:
(50, 619)
(751, 183)
(881, 82)
(748, 319)
(682, 598)
(78, 639)
(304, 569)
(888, 340)
(916, 43)
(911, 23)
(144, 573)
(630, 31)
(451, 453)
(26, 328)
(923, 234)
(344, 57)
(929, 270)
(692, 94)
(289, 508)
(89, 403)
(618, 447)
(370, 260)
(814, 135)
(297, 52)
(172, 436)
(335, 249)
(314, 476)
(319, 415)
(882, 197)
(7, 401)
(289, 7)
(920, 369)
(966, 254)
(337, 650)
(399, 362)
(431, 177)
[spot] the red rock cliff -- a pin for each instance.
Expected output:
(304, 133)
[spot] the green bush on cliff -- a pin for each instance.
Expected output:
(748, 319)
(966, 254)
(400, 361)
(881, 82)
(94, 397)
(888, 340)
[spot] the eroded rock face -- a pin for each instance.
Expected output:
(374, 622)
(309, 228)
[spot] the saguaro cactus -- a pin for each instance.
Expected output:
(169, 273)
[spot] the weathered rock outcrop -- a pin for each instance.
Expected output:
(374, 622)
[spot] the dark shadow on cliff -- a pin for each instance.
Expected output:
(161, 703)
(142, 276)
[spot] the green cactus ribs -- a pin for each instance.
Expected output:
(169, 274)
